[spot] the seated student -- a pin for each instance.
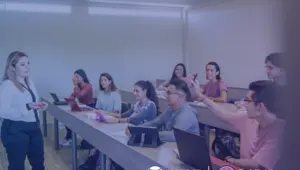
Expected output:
(215, 88)
(145, 109)
(261, 128)
(109, 98)
(179, 115)
(179, 72)
(275, 71)
(108, 101)
(83, 91)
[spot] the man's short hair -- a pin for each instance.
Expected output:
(266, 92)
(275, 59)
(182, 86)
(259, 85)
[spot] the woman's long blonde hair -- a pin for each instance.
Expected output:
(9, 72)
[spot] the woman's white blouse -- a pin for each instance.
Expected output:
(13, 102)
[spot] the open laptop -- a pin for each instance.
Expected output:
(193, 150)
(75, 107)
(57, 101)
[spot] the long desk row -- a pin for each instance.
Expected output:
(233, 92)
(204, 115)
(110, 139)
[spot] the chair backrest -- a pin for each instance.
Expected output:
(125, 107)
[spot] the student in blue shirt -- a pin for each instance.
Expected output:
(108, 101)
(144, 110)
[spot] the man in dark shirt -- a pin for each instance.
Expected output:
(275, 70)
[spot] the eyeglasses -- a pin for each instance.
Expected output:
(170, 93)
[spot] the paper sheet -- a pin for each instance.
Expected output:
(121, 136)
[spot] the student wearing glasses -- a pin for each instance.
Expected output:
(83, 91)
(261, 127)
(179, 115)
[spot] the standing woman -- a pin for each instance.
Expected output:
(179, 72)
(19, 105)
(83, 91)
(215, 88)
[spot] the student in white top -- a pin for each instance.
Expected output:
(20, 131)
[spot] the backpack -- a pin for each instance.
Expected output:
(225, 145)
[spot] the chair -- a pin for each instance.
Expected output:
(125, 107)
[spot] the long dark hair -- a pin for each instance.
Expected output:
(151, 93)
(217, 67)
(174, 75)
(82, 74)
(109, 77)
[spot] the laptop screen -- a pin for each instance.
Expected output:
(54, 96)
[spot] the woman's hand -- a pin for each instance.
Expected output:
(44, 106)
(37, 105)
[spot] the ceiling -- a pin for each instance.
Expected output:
(162, 3)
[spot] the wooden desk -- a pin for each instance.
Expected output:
(204, 115)
(111, 141)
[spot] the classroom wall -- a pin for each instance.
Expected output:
(238, 35)
(128, 47)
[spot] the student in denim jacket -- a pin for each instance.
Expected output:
(144, 110)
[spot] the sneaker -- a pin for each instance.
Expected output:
(65, 142)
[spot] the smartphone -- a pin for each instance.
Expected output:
(195, 76)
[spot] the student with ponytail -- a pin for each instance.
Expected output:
(145, 109)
